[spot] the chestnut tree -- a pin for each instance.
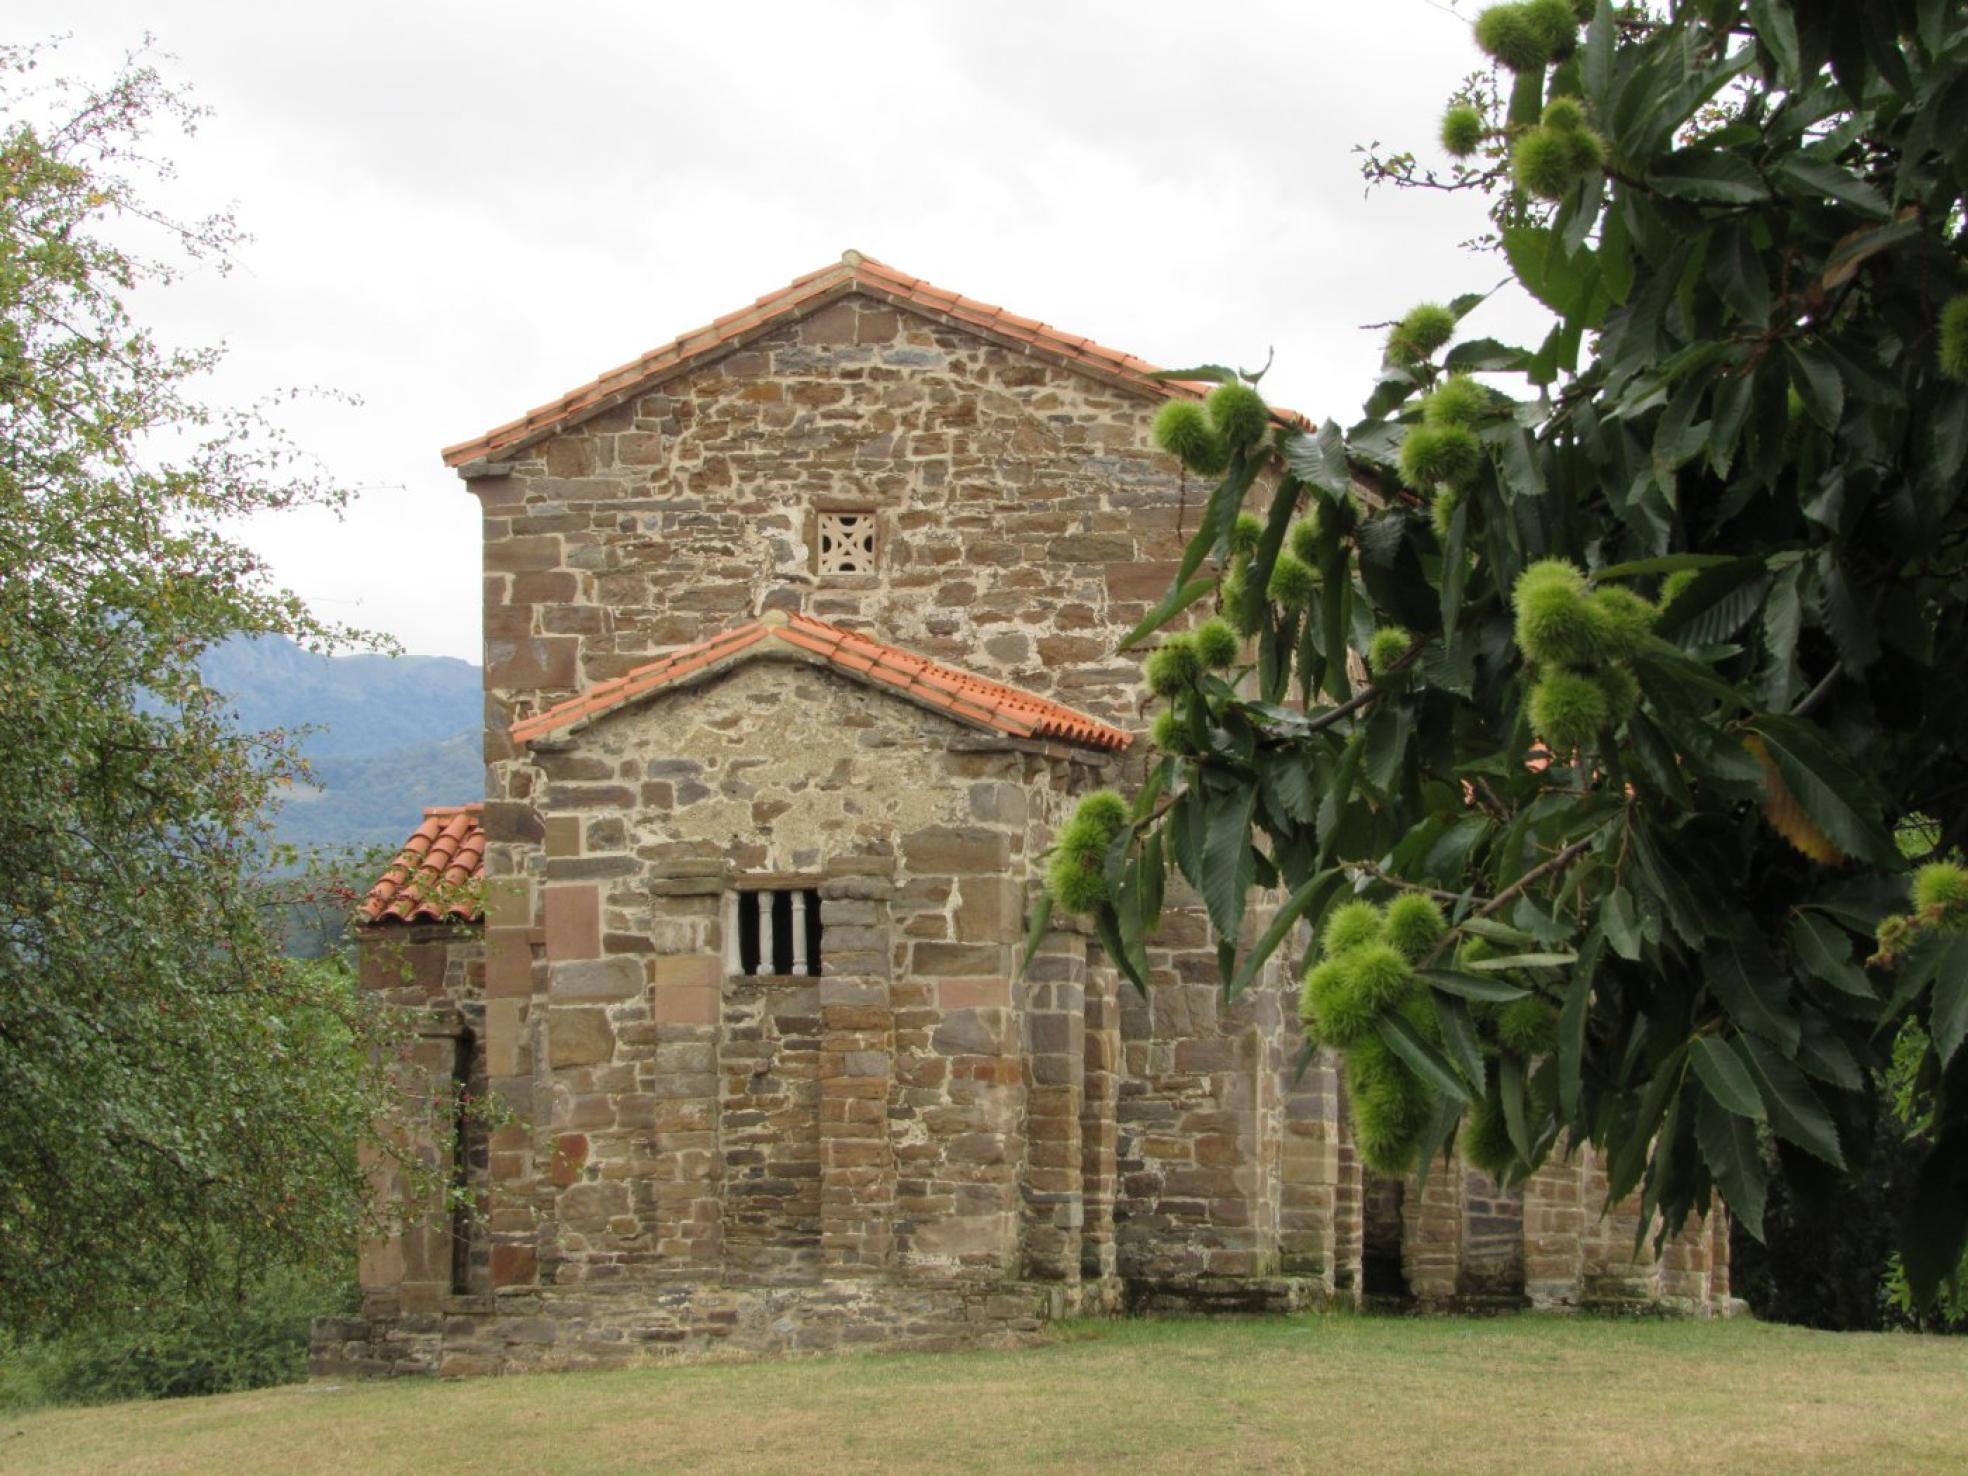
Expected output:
(1596, 706)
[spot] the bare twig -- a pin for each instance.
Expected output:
(1535, 875)
(1809, 702)
(1404, 884)
(1361, 698)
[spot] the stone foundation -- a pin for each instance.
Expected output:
(543, 1330)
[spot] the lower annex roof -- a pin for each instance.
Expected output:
(950, 690)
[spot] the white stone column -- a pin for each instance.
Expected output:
(799, 932)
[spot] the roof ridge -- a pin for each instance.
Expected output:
(855, 271)
(983, 701)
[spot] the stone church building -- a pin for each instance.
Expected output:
(800, 639)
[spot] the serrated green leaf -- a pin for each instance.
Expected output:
(1307, 898)
(1824, 1055)
(1471, 986)
(1510, 1088)
(1108, 930)
(1622, 926)
(1740, 973)
(1934, 1233)
(1825, 950)
(1727, 1077)
(1459, 1035)
(1776, 29)
(1172, 604)
(1665, 564)
(1818, 384)
(1735, 1160)
(1708, 176)
(1795, 1113)
(1335, 605)
(1202, 373)
(1284, 502)
(1219, 514)
(1830, 793)
(1815, 179)
(1559, 279)
(1387, 734)
(1485, 356)
(1571, 1039)
(1496, 932)
(1523, 961)
(1435, 1140)
(1226, 865)
(1422, 1058)
(1629, 1156)
(1319, 460)
(1735, 270)
(1034, 935)
(1333, 803)
(1948, 1020)
(1288, 783)
(1715, 603)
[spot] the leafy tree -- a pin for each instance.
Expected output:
(1661, 647)
(178, 1102)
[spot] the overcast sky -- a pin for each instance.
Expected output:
(462, 210)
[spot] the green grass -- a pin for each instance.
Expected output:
(1356, 1394)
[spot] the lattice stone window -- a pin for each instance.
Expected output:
(772, 931)
(847, 543)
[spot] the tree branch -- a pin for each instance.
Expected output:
(1536, 874)
(1809, 702)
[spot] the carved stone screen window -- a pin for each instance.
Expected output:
(847, 542)
(775, 931)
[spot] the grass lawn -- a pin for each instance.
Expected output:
(1352, 1394)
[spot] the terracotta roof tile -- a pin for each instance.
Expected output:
(976, 699)
(853, 272)
(433, 877)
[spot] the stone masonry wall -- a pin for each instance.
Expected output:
(1025, 522)
(917, 1145)
(712, 1158)
(411, 1274)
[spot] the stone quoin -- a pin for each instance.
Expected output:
(801, 640)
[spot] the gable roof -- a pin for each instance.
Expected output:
(433, 876)
(947, 689)
(806, 295)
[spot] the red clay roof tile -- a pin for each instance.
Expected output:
(433, 878)
(977, 699)
(853, 272)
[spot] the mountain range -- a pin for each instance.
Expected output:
(386, 735)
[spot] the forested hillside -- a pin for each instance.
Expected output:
(387, 734)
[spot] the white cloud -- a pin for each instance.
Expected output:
(460, 210)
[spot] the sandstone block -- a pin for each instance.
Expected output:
(508, 963)
(600, 979)
(532, 664)
(508, 902)
(673, 970)
(562, 834)
(970, 959)
(685, 1004)
(511, 555)
(956, 850)
(966, 994)
(572, 917)
(513, 1265)
(578, 1036)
